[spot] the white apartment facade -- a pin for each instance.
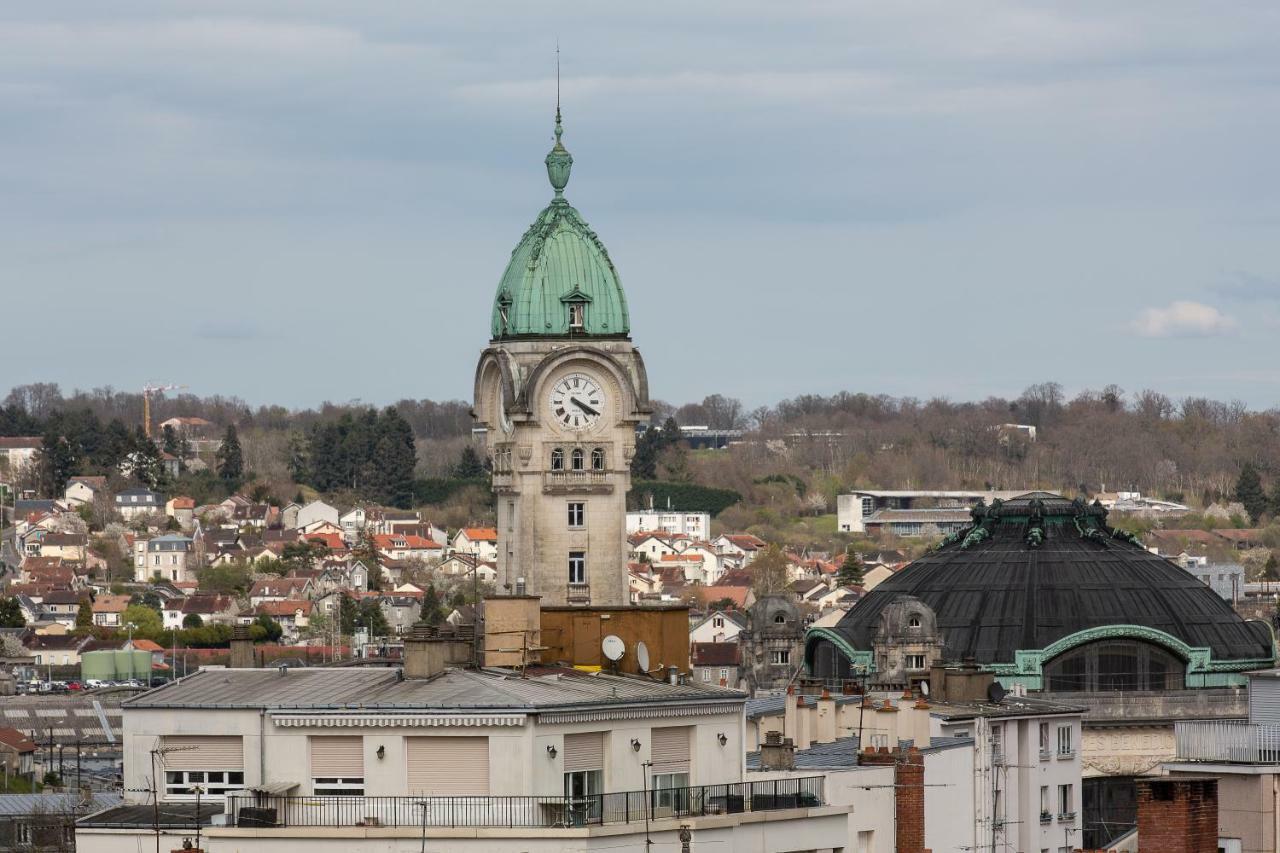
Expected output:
(477, 760)
(695, 525)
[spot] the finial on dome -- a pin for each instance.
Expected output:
(559, 160)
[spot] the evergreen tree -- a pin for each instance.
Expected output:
(851, 570)
(1275, 498)
(84, 616)
(11, 614)
(644, 464)
(394, 458)
(1249, 492)
(432, 608)
(470, 466)
(115, 446)
(298, 462)
(170, 441)
(229, 456)
(56, 464)
(146, 462)
(193, 620)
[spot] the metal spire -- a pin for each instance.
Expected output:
(559, 160)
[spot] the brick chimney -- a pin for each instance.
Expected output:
(908, 794)
(777, 752)
(242, 656)
(1178, 815)
(424, 655)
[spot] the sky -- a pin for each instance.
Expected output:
(294, 202)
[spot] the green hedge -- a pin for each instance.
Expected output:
(684, 497)
(438, 490)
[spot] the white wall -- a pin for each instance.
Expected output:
(948, 800)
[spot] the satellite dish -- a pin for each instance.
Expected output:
(642, 656)
(613, 647)
(924, 689)
(995, 693)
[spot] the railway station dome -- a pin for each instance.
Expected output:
(1043, 593)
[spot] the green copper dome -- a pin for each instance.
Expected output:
(560, 281)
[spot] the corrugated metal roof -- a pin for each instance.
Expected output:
(55, 804)
(382, 688)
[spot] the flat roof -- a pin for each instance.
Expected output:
(383, 688)
(1010, 706)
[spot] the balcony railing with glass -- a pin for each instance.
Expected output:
(1233, 741)
(249, 809)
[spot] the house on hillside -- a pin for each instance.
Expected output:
(139, 503)
(108, 610)
(742, 547)
(480, 542)
(718, 626)
(84, 490)
(716, 663)
(313, 514)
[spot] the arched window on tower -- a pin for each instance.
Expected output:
(597, 459)
(578, 459)
(557, 459)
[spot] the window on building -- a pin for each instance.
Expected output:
(780, 656)
(578, 459)
(724, 675)
(997, 743)
(915, 662)
(577, 514)
(584, 772)
(557, 459)
(577, 313)
(779, 618)
(1045, 807)
(597, 459)
(1066, 800)
(913, 622)
(24, 834)
(717, 621)
(1064, 740)
(212, 783)
(706, 675)
(1044, 741)
(670, 791)
(1115, 665)
(577, 567)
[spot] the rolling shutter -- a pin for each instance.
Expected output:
(584, 752)
(448, 766)
(203, 752)
(670, 750)
(337, 757)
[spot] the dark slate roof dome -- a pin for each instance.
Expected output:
(1034, 570)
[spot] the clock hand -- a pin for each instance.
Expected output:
(583, 406)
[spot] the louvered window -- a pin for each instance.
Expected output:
(584, 752)
(211, 764)
(337, 766)
(448, 766)
(670, 750)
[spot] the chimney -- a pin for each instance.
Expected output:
(825, 729)
(423, 656)
(908, 794)
(777, 752)
(242, 656)
(1178, 814)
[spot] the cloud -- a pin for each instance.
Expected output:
(1183, 319)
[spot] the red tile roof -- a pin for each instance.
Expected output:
(284, 607)
(17, 740)
(481, 534)
(715, 654)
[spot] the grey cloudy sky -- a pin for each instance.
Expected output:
(301, 201)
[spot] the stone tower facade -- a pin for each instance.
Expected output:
(559, 393)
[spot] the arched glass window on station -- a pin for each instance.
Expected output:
(577, 459)
(1114, 665)
(597, 459)
(557, 459)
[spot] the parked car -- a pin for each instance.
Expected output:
(74, 685)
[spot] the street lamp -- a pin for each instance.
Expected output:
(130, 626)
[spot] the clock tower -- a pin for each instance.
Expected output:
(559, 392)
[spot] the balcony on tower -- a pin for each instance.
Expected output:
(576, 482)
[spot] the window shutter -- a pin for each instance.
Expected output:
(584, 752)
(448, 766)
(337, 757)
(203, 752)
(670, 750)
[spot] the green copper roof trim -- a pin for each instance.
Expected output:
(559, 260)
(864, 660)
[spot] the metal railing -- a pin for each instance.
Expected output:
(249, 809)
(1227, 740)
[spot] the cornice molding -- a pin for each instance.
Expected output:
(388, 721)
(603, 715)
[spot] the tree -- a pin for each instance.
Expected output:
(11, 614)
(470, 466)
(192, 620)
(769, 571)
(147, 599)
(851, 570)
(55, 464)
(145, 461)
(170, 441)
(84, 616)
(226, 578)
(230, 457)
(1249, 492)
(147, 621)
(271, 628)
(432, 608)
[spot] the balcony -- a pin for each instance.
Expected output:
(578, 593)
(1233, 741)
(246, 809)
(576, 482)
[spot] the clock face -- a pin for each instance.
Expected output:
(577, 401)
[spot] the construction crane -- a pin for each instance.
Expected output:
(147, 390)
